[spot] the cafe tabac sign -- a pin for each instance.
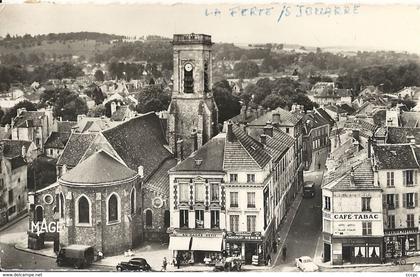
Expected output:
(356, 216)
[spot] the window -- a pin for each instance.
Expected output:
(366, 204)
(251, 199)
(113, 209)
(367, 228)
(234, 199)
(410, 220)
(390, 179)
(183, 218)
(250, 178)
(188, 79)
(51, 152)
(234, 223)
(327, 203)
(199, 192)
(167, 218)
(215, 217)
(233, 178)
(410, 200)
(409, 178)
(250, 223)
(10, 196)
(149, 218)
(133, 201)
(61, 206)
(287, 130)
(392, 201)
(199, 218)
(214, 192)
(83, 210)
(183, 192)
(39, 214)
(391, 221)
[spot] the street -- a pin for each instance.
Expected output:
(306, 228)
(13, 259)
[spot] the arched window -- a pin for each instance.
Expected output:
(167, 218)
(113, 208)
(133, 201)
(83, 206)
(61, 205)
(39, 214)
(149, 218)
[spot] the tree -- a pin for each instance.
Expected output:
(226, 102)
(41, 173)
(273, 101)
(66, 104)
(7, 118)
(99, 75)
(97, 111)
(246, 69)
(152, 98)
(302, 99)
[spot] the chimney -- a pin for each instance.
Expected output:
(229, 133)
(113, 107)
(243, 113)
(194, 139)
(179, 150)
(23, 151)
(411, 139)
(199, 140)
(369, 147)
(80, 117)
(20, 111)
(268, 129)
(352, 183)
(6, 128)
(276, 118)
(263, 139)
(140, 171)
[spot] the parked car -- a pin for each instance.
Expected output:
(306, 264)
(75, 255)
(309, 189)
(135, 264)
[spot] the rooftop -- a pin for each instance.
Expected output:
(395, 156)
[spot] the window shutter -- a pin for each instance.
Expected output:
(404, 177)
(384, 199)
(415, 177)
(404, 200)
(396, 200)
(416, 199)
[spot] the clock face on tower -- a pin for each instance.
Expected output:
(188, 67)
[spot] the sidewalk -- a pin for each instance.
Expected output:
(15, 220)
(285, 227)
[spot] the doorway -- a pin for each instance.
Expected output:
(250, 250)
(347, 254)
(327, 252)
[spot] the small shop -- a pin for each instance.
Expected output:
(251, 247)
(400, 242)
(366, 250)
(196, 246)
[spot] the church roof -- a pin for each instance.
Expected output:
(100, 168)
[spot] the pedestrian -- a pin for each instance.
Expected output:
(164, 264)
(284, 252)
(178, 261)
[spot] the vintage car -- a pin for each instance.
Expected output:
(75, 255)
(230, 264)
(306, 264)
(135, 264)
(309, 189)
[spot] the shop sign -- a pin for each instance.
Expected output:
(202, 235)
(345, 229)
(401, 231)
(357, 216)
(244, 236)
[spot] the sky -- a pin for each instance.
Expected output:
(363, 26)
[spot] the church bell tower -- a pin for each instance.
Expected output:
(193, 114)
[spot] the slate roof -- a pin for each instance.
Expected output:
(399, 134)
(99, 168)
(140, 141)
(410, 119)
(13, 148)
(312, 121)
(287, 118)
(159, 181)
(65, 126)
(57, 140)
(363, 178)
(29, 119)
(75, 148)
(95, 124)
(208, 158)
(17, 162)
(325, 115)
(277, 145)
(395, 156)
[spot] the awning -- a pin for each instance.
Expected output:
(179, 243)
(207, 244)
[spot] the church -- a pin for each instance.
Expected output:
(113, 189)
